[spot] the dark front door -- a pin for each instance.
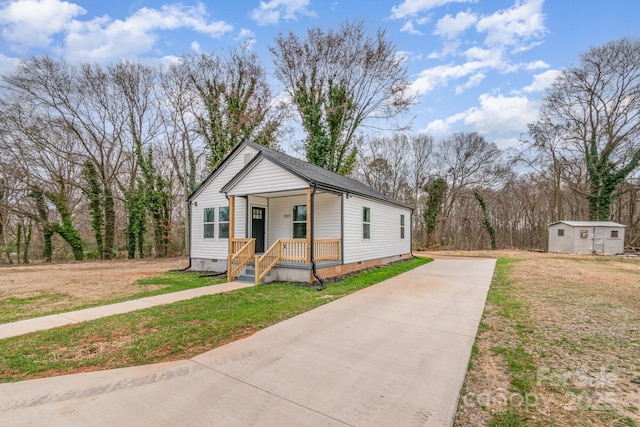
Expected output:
(258, 227)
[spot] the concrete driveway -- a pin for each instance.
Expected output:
(393, 354)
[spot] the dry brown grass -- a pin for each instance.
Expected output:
(582, 331)
(42, 288)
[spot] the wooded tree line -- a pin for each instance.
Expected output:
(96, 161)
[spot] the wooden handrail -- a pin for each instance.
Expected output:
(295, 251)
(269, 258)
(243, 253)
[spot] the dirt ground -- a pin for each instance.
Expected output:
(582, 331)
(50, 287)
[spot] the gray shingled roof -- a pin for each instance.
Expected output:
(320, 176)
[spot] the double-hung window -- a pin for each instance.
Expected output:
(402, 226)
(366, 223)
(223, 222)
(300, 222)
(209, 223)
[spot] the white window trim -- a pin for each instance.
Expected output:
(220, 222)
(294, 222)
(366, 222)
(402, 227)
(205, 223)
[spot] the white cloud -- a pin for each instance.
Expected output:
(32, 23)
(246, 34)
(542, 81)
(195, 46)
(496, 115)
(270, 12)
(247, 37)
(451, 27)
(474, 81)
(104, 39)
(512, 26)
(409, 28)
(414, 7)
(536, 65)
(502, 114)
(440, 128)
(8, 65)
(432, 78)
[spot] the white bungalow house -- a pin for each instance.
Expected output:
(587, 237)
(265, 216)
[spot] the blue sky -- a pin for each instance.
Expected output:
(476, 65)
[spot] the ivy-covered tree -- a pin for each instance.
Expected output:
(596, 105)
(43, 217)
(27, 243)
(95, 193)
(338, 80)
(486, 220)
(235, 99)
(65, 227)
(157, 196)
(436, 192)
(136, 222)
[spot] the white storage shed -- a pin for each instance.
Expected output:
(587, 237)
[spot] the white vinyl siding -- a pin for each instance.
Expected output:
(327, 216)
(385, 240)
(266, 177)
(327, 213)
(210, 196)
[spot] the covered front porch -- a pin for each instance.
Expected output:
(289, 233)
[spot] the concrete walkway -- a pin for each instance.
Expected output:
(392, 354)
(22, 327)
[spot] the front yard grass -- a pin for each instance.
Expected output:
(45, 303)
(171, 332)
(558, 345)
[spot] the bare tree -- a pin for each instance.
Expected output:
(597, 106)
(419, 171)
(468, 162)
(383, 164)
(82, 101)
(339, 80)
(44, 163)
(235, 100)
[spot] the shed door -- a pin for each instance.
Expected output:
(599, 235)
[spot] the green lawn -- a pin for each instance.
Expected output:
(170, 332)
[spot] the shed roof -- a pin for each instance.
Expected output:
(589, 223)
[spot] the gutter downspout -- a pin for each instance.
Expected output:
(313, 261)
